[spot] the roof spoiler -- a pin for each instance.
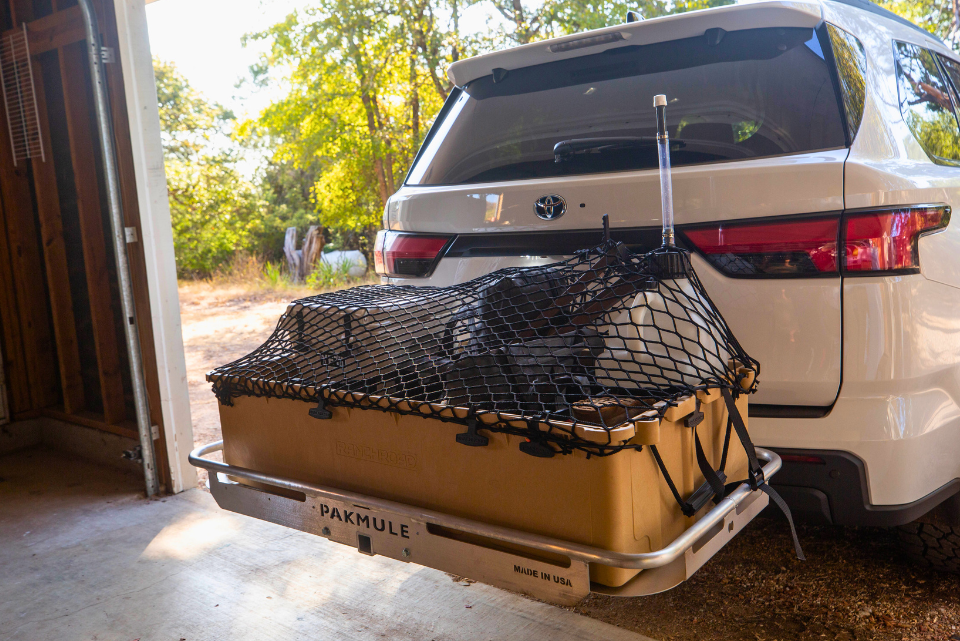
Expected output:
(772, 13)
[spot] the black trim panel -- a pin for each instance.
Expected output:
(837, 492)
(550, 243)
(788, 411)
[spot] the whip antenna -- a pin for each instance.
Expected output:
(666, 183)
(670, 261)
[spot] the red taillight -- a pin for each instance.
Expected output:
(887, 240)
(791, 248)
(404, 254)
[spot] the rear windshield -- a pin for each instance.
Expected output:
(757, 93)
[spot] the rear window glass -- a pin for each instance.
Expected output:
(757, 93)
(925, 103)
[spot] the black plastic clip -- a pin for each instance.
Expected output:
(694, 418)
(704, 493)
(537, 448)
(470, 437)
(320, 411)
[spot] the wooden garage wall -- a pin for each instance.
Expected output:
(62, 324)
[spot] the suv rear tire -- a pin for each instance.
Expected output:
(933, 545)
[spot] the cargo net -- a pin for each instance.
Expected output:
(569, 355)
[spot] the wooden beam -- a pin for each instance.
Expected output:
(88, 419)
(54, 31)
(21, 11)
(75, 77)
(26, 264)
(14, 361)
(55, 258)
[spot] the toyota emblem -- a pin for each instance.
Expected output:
(550, 207)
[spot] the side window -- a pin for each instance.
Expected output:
(851, 61)
(925, 103)
(952, 67)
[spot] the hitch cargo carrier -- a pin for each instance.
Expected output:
(551, 430)
(634, 522)
(554, 528)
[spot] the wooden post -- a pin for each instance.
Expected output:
(21, 11)
(26, 265)
(14, 363)
(74, 75)
(55, 257)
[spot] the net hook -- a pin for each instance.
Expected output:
(320, 411)
(471, 438)
(536, 447)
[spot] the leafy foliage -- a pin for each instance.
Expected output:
(940, 17)
(358, 86)
(366, 78)
(214, 212)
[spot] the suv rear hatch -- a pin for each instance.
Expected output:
(759, 143)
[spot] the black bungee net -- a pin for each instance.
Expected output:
(564, 355)
(551, 353)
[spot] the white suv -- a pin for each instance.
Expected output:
(816, 157)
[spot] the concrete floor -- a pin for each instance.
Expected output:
(84, 557)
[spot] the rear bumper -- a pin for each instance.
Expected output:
(830, 486)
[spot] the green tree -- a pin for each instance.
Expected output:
(213, 210)
(940, 17)
(364, 80)
(361, 75)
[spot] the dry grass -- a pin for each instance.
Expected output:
(250, 278)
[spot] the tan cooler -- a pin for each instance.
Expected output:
(619, 502)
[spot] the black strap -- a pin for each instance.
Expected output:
(711, 477)
(776, 498)
(755, 472)
(726, 443)
(715, 479)
(685, 507)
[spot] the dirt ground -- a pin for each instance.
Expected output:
(221, 324)
(855, 584)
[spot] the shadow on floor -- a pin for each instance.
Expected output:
(85, 556)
